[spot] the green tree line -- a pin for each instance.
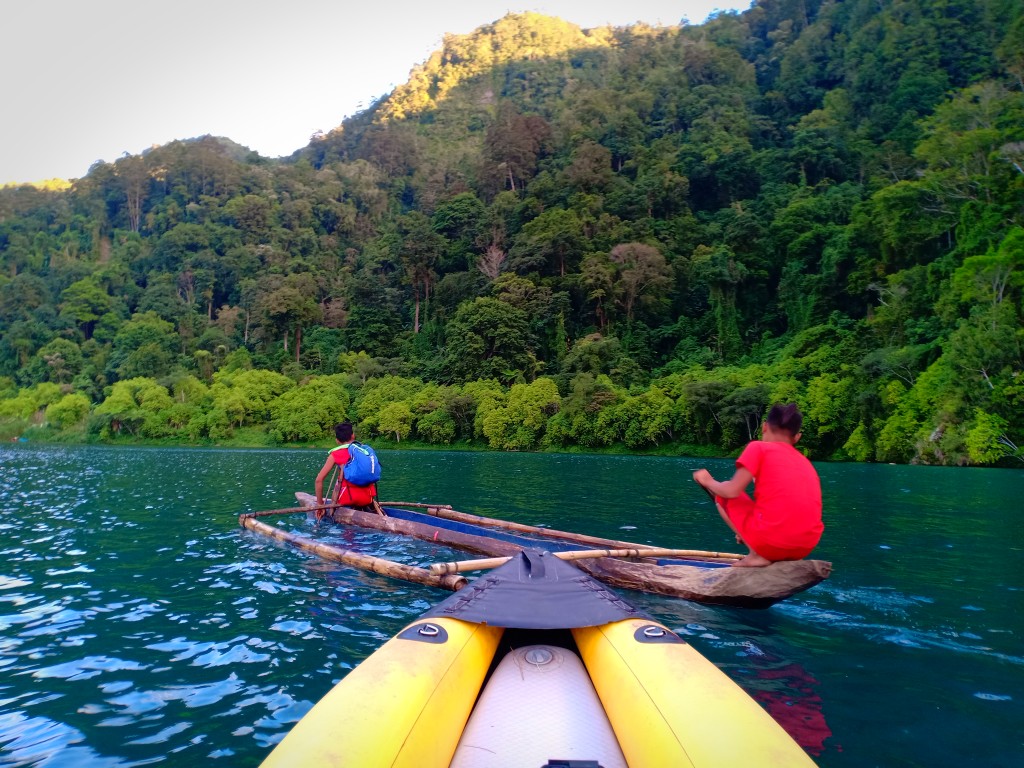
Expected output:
(552, 237)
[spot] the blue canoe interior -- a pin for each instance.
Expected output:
(521, 540)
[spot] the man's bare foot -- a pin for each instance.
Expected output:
(753, 560)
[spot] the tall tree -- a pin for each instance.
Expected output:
(134, 177)
(487, 339)
(513, 144)
(643, 275)
(84, 302)
(289, 306)
(420, 250)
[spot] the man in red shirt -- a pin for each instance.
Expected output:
(345, 494)
(783, 520)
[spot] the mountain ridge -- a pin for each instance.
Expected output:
(638, 235)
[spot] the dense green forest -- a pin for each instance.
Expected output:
(554, 238)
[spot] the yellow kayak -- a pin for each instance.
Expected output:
(536, 664)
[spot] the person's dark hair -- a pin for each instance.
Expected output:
(786, 417)
(343, 432)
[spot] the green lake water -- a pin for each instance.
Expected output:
(140, 625)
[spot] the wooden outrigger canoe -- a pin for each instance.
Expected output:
(705, 579)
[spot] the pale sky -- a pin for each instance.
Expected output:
(88, 80)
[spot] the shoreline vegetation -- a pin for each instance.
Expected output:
(135, 424)
(246, 407)
(560, 239)
(258, 441)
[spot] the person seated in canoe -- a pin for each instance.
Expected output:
(345, 493)
(783, 520)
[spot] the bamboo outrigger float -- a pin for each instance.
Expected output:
(450, 580)
(695, 575)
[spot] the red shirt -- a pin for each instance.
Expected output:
(787, 494)
(351, 495)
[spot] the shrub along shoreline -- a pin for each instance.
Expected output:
(699, 412)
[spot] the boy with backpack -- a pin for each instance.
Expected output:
(360, 469)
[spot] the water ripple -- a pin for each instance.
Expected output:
(140, 625)
(83, 669)
(37, 740)
(960, 642)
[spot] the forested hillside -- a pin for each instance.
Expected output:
(560, 238)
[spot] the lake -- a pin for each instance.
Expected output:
(140, 625)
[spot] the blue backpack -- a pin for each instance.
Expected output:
(362, 467)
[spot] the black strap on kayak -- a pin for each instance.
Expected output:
(536, 590)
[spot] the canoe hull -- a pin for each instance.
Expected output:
(739, 587)
(703, 582)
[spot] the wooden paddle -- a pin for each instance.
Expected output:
(332, 482)
(461, 566)
(705, 489)
(714, 500)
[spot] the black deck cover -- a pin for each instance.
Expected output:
(536, 590)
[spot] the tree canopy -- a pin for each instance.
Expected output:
(557, 237)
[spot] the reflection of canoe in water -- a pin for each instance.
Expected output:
(701, 579)
(536, 664)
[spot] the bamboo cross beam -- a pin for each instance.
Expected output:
(327, 506)
(447, 512)
(461, 566)
(357, 560)
(286, 511)
(418, 504)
